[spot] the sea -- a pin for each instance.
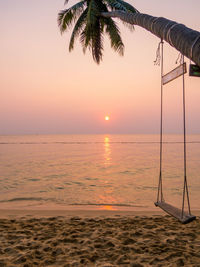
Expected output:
(100, 172)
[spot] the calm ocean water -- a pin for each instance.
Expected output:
(95, 171)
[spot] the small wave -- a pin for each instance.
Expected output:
(23, 199)
(71, 204)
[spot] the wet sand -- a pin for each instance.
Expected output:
(97, 238)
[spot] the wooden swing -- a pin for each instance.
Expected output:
(180, 214)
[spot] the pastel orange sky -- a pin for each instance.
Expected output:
(44, 89)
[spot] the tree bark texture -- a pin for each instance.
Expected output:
(184, 39)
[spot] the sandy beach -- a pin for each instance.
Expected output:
(97, 238)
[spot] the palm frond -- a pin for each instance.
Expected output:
(120, 5)
(77, 28)
(93, 12)
(114, 34)
(92, 35)
(94, 42)
(128, 7)
(97, 43)
(115, 5)
(67, 16)
(92, 19)
(82, 40)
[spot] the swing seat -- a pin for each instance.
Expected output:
(175, 212)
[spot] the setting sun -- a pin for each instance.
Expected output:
(107, 118)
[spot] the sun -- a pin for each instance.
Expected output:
(107, 118)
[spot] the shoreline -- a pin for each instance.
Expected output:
(83, 213)
(37, 213)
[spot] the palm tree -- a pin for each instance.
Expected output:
(184, 39)
(90, 25)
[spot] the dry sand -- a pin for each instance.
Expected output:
(97, 239)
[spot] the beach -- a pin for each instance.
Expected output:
(97, 238)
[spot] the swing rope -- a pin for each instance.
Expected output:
(185, 187)
(159, 61)
(175, 212)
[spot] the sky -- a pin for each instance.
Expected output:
(44, 89)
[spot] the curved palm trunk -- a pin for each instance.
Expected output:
(184, 39)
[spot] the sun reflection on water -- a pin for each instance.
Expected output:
(107, 151)
(106, 195)
(107, 207)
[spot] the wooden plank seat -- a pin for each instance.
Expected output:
(175, 212)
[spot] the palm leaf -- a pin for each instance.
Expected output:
(82, 39)
(97, 42)
(93, 12)
(77, 28)
(114, 34)
(92, 35)
(67, 16)
(128, 7)
(92, 19)
(120, 5)
(115, 5)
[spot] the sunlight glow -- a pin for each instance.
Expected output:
(107, 118)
